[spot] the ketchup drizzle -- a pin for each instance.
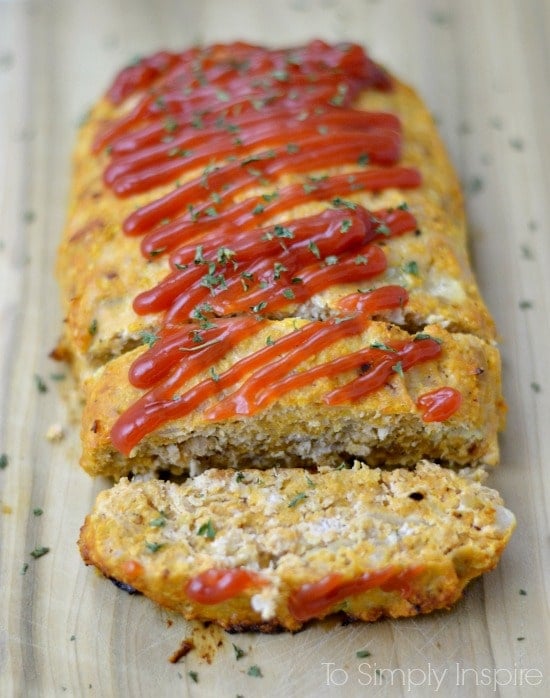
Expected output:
(245, 116)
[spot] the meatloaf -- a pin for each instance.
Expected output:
(230, 184)
(275, 548)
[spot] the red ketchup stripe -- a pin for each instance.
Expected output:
(318, 598)
(218, 230)
(218, 585)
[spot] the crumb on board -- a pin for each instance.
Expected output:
(55, 432)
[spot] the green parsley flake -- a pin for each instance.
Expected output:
(298, 498)
(258, 307)
(363, 159)
(39, 552)
(193, 676)
(239, 477)
(38, 511)
(383, 347)
(312, 246)
(92, 327)
(331, 260)
(289, 293)
(24, 568)
(215, 376)
(411, 268)
(159, 522)
(153, 547)
(382, 229)
(258, 209)
(522, 592)
(310, 482)
(269, 342)
(207, 530)
(398, 368)
(239, 653)
(361, 654)
(345, 225)
(4, 461)
(149, 338)
(255, 671)
(40, 385)
(344, 203)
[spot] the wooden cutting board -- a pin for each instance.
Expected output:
(484, 68)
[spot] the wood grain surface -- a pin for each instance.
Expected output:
(483, 66)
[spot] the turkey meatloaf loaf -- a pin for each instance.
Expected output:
(262, 550)
(265, 262)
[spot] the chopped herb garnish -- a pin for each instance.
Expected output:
(289, 293)
(383, 347)
(361, 654)
(158, 251)
(404, 206)
(149, 338)
(292, 148)
(337, 100)
(339, 202)
(522, 592)
(363, 159)
(521, 638)
(39, 552)
(40, 384)
(535, 387)
(58, 376)
(153, 547)
(269, 342)
(411, 268)
(215, 376)
(193, 676)
(29, 216)
(423, 335)
(255, 670)
(382, 229)
(37, 511)
(278, 269)
(280, 75)
(4, 461)
(525, 305)
(527, 252)
(239, 653)
(312, 246)
(282, 232)
(345, 225)
(298, 498)
(210, 211)
(170, 124)
(475, 185)
(310, 482)
(258, 209)
(24, 568)
(207, 530)
(181, 267)
(258, 307)
(398, 368)
(92, 327)
(517, 143)
(72, 638)
(239, 477)
(159, 522)
(323, 130)
(222, 95)
(331, 260)
(199, 256)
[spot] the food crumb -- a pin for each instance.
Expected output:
(183, 650)
(55, 432)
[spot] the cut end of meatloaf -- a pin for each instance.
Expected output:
(385, 427)
(276, 548)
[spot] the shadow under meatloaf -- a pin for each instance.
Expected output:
(265, 550)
